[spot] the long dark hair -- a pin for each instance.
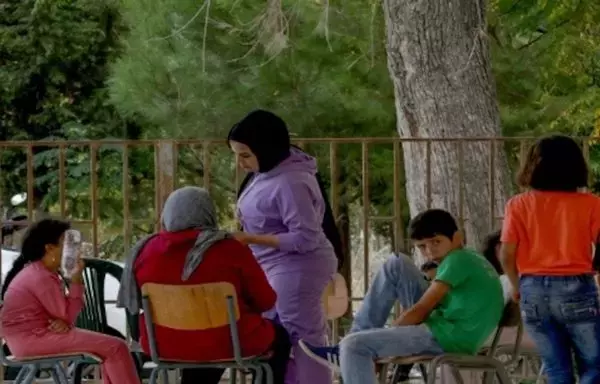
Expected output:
(33, 248)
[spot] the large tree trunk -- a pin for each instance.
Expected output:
(439, 62)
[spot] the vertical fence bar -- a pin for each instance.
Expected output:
(206, 165)
(428, 172)
(30, 184)
(62, 182)
(461, 190)
(492, 184)
(237, 184)
(157, 203)
(94, 194)
(125, 192)
(166, 167)
(334, 190)
(398, 225)
(522, 153)
(238, 173)
(366, 206)
(335, 210)
(585, 147)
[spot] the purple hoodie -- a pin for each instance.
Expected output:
(286, 201)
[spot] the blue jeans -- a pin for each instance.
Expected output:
(397, 280)
(562, 316)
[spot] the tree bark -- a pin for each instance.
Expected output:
(439, 61)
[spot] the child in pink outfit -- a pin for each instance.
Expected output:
(38, 316)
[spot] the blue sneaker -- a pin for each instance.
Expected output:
(327, 356)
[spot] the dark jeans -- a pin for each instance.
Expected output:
(562, 316)
(280, 350)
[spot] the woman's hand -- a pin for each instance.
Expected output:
(59, 326)
(76, 274)
(242, 237)
(247, 238)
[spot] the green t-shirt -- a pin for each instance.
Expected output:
(473, 306)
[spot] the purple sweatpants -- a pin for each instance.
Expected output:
(300, 310)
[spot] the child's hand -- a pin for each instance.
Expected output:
(516, 296)
(59, 326)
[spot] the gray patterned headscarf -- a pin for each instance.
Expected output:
(185, 208)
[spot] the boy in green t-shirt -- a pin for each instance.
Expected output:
(456, 313)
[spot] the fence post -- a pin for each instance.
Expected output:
(165, 172)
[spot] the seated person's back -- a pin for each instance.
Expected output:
(162, 261)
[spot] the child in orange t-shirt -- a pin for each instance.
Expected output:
(547, 241)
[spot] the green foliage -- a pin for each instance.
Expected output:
(54, 57)
(197, 76)
(196, 68)
(547, 65)
(546, 58)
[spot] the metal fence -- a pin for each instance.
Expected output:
(149, 170)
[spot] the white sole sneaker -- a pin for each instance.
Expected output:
(332, 362)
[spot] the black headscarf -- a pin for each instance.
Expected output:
(266, 135)
(268, 138)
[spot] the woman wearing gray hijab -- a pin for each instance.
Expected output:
(191, 249)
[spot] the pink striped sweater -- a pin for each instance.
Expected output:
(34, 298)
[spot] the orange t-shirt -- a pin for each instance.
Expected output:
(554, 231)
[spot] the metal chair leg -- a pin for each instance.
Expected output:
(30, 376)
(61, 374)
(540, 375)
(432, 371)
(383, 369)
(258, 374)
(233, 375)
(165, 376)
(269, 373)
(396, 372)
(501, 374)
(424, 373)
(154, 375)
(22, 373)
(456, 374)
(78, 372)
(55, 377)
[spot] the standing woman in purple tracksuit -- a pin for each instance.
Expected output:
(281, 207)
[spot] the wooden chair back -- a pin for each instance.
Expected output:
(335, 298)
(190, 307)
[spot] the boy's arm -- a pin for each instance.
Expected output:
(419, 312)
